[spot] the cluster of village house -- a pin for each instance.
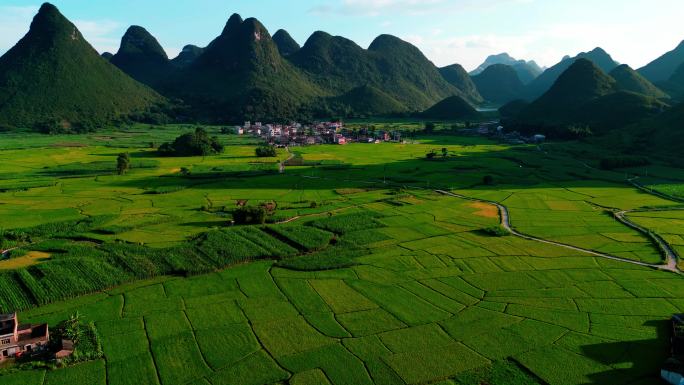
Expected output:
(496, 131)
(17, 340)
(317, 133)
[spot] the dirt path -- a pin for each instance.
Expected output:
(505, 222)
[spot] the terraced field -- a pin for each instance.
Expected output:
(381, 281)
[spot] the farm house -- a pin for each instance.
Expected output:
(16, 340)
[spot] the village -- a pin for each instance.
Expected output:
(297, 134)
(317, 133)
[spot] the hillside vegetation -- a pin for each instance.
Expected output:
(585, 100)
(54, 75)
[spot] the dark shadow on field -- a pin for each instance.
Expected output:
(635, 360)
(207, 224)
(516, 167)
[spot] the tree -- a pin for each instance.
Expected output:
(429, 128)
(445, 152)
(72, 328)
(431, 155)
(123, 163)
(193, 144)
(488, 180)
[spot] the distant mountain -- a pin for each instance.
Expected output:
(586, 97)
(527, 70)
(107, 55)
(457, 76)
(499, 83)
(335, 63)
(451, 108)
(366, 101)
(285, 43)
(142, 57)
(662, 68)
(338, 65)
(513, 109)
(629, 80)
(675, 85)
(241, 75)
(544, 82)
(187, 56)
(54, 75)
(408, 75)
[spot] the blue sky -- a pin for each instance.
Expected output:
(447, 31)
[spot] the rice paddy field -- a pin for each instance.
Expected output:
(365, 274)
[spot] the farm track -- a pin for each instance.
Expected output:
(671, 256)
(505, 222)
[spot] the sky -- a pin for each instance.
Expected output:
(447, 31)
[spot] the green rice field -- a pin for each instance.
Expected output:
(364, 275)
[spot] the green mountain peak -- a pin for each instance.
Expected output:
(285, 43)
(142, 57)
(630, 80)
(53, 74)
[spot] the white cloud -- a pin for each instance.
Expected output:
(101, 34)
(547, 45)
(409, 7)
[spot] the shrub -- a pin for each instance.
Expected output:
(496, 231)
(266, 151)
(250, 215)
(123, 163)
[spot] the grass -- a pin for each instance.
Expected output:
(377, 284)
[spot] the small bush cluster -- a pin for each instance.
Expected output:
(250, 215)
(265, 151)
(496, 231)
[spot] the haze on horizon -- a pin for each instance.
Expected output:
(448, 31)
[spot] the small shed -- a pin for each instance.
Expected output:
(66, 349)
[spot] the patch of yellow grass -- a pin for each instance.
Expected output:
(350, 191)
(30, 259)
(485, 210)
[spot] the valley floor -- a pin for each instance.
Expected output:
(430, 295)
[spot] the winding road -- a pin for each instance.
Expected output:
(670, 254)
(505, 222)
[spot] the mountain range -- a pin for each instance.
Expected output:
(546, 80)
(53, 76)
(584, 98)
(499, 84)
(526, 70)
